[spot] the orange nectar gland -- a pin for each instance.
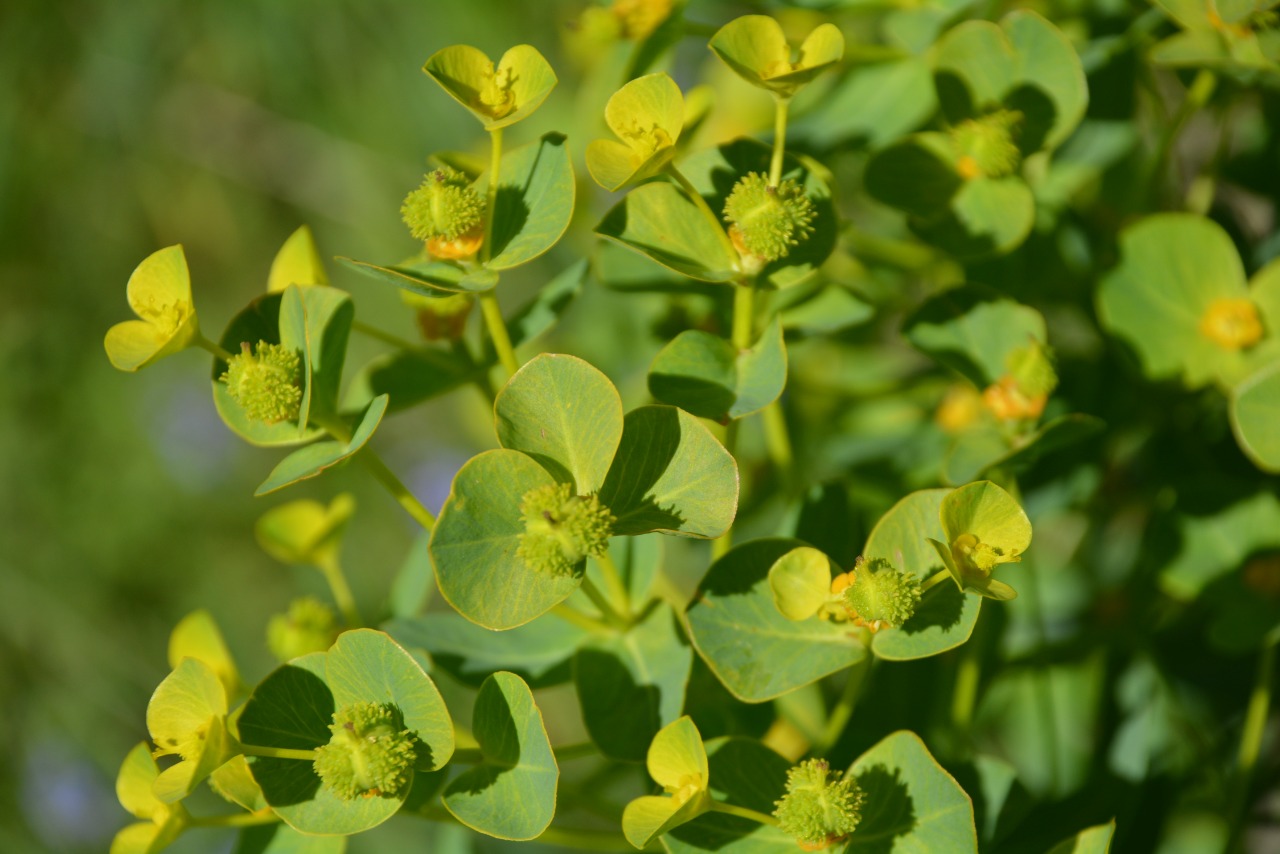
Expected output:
(1005, 400)
(447, 214)
(960, 407)
(1232, 323)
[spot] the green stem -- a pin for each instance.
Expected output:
(779, 140)
(965, 692)
(205, 344)
(1198, 94)
(721, 544)
(743, 812)
(277, 752)
(341, 591)
(498, 332)
(398, 490)
(570, 614)
(1255, 723)
(491, 198)
(744, 314)
(777, 439)
(242, 819)
(598, 599)
(842, 711)
(616, 586)
(697, 199)
(934, 580)
(385, 337)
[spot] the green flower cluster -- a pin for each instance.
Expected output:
(444, 207)
(766, 221)
(370, 754)
(561, 528)
(820, 807)
(266, 381)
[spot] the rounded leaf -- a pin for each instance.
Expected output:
(989, 513)
(197, 636)
(534, 204)
(800, 581)
(751, 647)
(305, 531)
(475, 542)
(703, 373)
(658, 220)
(1255, 414)
(297, 263)
(646, 115)
(512, 793)
(565, 414)
(314, 460)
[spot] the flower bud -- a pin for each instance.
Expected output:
(819, 808)
(266, 382)
(765, 222)
(444, 209)
(308, 626)
(370, 753)
(880, 596)
(1232, 324)
(985, 146)
(561, 528)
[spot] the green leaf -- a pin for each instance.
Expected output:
(824, 310)
(297, 263)
(751, 647)
(314, 460)
(538, 652)
(282, 839)
(989, 513)
(469, 78)
(800, 582)
(631, 685)
(916, 174)
(414, 583)
(234, 781)
(1025, 63)
(545, 309)
(534, 203)
(1173, 267)
(565, 414)
(945, 617)
(662, 223)
(294, 707)
(512, 794)
(1093, 840)
(1212, 546)
(1255, 412)
(713, 173)
(972, 330)
(197, 636)
(987, 216)
(159, 293)
(425, 277)
(1037, 718)
(670, 475)
(646, 115)
(747, 774)
(912, 803)
(135, 782)
(968, 463)
(755, 47)
(703, 373)
(872, 104)
(409, 377)
(477, 534)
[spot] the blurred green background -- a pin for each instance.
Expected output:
(222, 126)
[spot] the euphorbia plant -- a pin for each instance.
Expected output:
(702, 564)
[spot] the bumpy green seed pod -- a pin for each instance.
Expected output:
(444, 207)
(308, 626)
(881, 596)
(266, 382)
(986, 146)
(370, 753)
(819, 808)
(767, 221)
(561, 528)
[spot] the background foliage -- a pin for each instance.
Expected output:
(223, 126)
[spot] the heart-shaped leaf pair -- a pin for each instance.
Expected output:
(755, 47)
(677, 761)
(159, 292)
(646, 115)
(498, 95)
(560, 421)
(984, 527)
